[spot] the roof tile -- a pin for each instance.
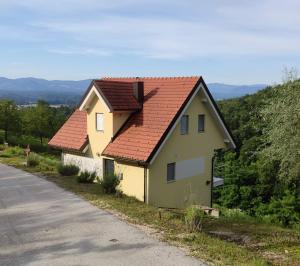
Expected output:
(162, 99)
(73, 134)
(119, 94)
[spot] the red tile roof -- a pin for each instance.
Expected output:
(141, 135)
(119, 94)
(73, 134)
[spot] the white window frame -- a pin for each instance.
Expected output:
(99, 127)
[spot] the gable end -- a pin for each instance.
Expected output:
(199, 85)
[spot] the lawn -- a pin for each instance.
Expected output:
(223, 241)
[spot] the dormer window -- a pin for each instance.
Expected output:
(99, 122)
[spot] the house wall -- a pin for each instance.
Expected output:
(118, 120)
(192, 154)
(98, 139)
(84, 163)
(132, 183)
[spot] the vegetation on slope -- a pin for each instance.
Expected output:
(263, 177)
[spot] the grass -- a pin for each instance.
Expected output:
(223, 241)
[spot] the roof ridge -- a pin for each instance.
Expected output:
(153, 77)
(108, 80)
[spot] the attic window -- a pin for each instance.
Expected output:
(99, 122)
(201, 120)
(170, 172)
(184, 125)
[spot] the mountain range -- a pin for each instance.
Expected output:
(29, 90)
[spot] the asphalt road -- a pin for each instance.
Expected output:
(41, 224)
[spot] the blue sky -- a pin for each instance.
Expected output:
(231, 41)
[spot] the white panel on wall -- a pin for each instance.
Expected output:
(84, 163)
(189, 168)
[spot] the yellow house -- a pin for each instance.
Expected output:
(159, 135)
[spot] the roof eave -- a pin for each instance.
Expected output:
(125, 159)
(63, 148)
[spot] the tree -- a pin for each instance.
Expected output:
(9, 117)
(38, 120)
(282, 133)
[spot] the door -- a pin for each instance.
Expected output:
(109, 167)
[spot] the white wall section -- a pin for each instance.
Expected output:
(84, 163)
(189, 168)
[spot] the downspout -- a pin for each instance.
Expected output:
(212, 179)
(145, 184)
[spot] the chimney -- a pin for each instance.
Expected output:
(138, 91)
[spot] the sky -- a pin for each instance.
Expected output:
(230, 41)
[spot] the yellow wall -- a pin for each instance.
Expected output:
(119, 119)
(133, 179)
(99, 139)
(112, 122)
(189, 190)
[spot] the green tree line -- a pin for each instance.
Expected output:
(262, 177)
(40, 121)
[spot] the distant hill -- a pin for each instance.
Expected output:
(226, 91)
(29, 90)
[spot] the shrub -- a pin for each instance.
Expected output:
(68, 170)
(194, 217)
(109, 183)
(86, 177)
(281, 211)
(13, 151)
(33, 160)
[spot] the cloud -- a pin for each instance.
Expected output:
(176, 31)
(171, 38)
(79, 51)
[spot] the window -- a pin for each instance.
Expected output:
(99, 122)
(109, 167)
(171, 172)
(184, 125)
(201, 120)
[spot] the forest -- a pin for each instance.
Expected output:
(261, 178)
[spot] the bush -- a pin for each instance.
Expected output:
(194, 217)
(13, 151)
(86, 177)
(68, 170)
(33, 160)
(283, 211)
(109, 183)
